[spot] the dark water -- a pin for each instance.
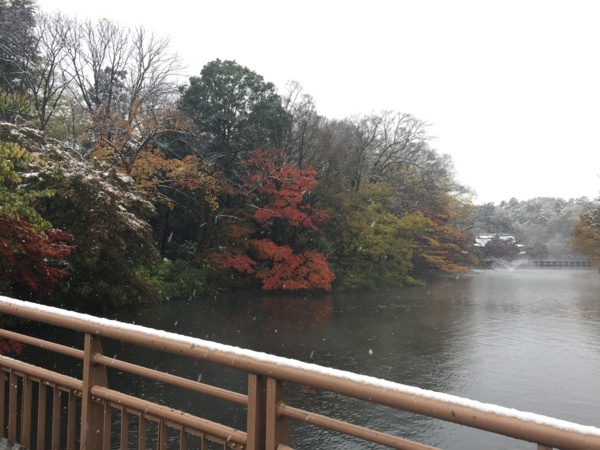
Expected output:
(527, 339)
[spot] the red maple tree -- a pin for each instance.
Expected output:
(266, 236)
(29, 258)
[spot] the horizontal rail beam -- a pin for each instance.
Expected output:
(41, 343)
(177, 417)
(173, 380)
(350, 429)
(41, 375)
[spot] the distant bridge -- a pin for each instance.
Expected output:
(541, 264)
(562, 264)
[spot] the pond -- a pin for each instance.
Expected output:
(525, 339)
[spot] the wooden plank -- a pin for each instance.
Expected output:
(56, 407)
(41, 417)
(26, 412)
(13, 390)
(71, 421)
(142, 433)
(124, 430)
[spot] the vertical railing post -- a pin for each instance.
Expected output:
(256, 419)
(25, 440)
(92, 413)
(3, 376)
(41, 418)
(276, 427)
(13, 390)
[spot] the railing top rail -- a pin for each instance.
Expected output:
(518, 424)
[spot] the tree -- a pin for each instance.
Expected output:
(586, 236)
(537, 250)
(97, 55)
(13, 105)
(440, 246)
(371, 246)
(302, 138)
(543, 225)
(382, 147)
(15, 202)
(236, 111)
(113, 241)
(100, 209)
(31, 252)
(273, 232)
(30, 260)
(33, 49)
(126, 81)
(501, 248)
(44, 77)
(17, 49)
(39, 64)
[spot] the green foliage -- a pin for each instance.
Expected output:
(15, 105)
(179, 279)
(236, 111)
(371, 245)
(69, 122)
(15, 202)
(113, 240)
(30, 251)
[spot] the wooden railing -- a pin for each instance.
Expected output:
(43, 409)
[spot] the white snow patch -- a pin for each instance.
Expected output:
(29, 175)
(308, 367)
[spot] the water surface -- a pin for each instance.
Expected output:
(526, 339)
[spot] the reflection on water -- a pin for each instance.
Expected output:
(526, 339)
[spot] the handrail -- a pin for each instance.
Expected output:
(173, 380)
(41, 343)
(535, 428)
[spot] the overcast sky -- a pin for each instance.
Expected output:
(511, 88)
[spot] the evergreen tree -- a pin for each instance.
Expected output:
(236, 111)
(17, 42)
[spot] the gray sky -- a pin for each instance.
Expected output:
(511, 88)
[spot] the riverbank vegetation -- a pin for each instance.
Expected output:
(121, 183)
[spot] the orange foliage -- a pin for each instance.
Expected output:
(234, 260)
(120, 139)
(440, 247)
(128, 142)
(292, 271)
(153, 172)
